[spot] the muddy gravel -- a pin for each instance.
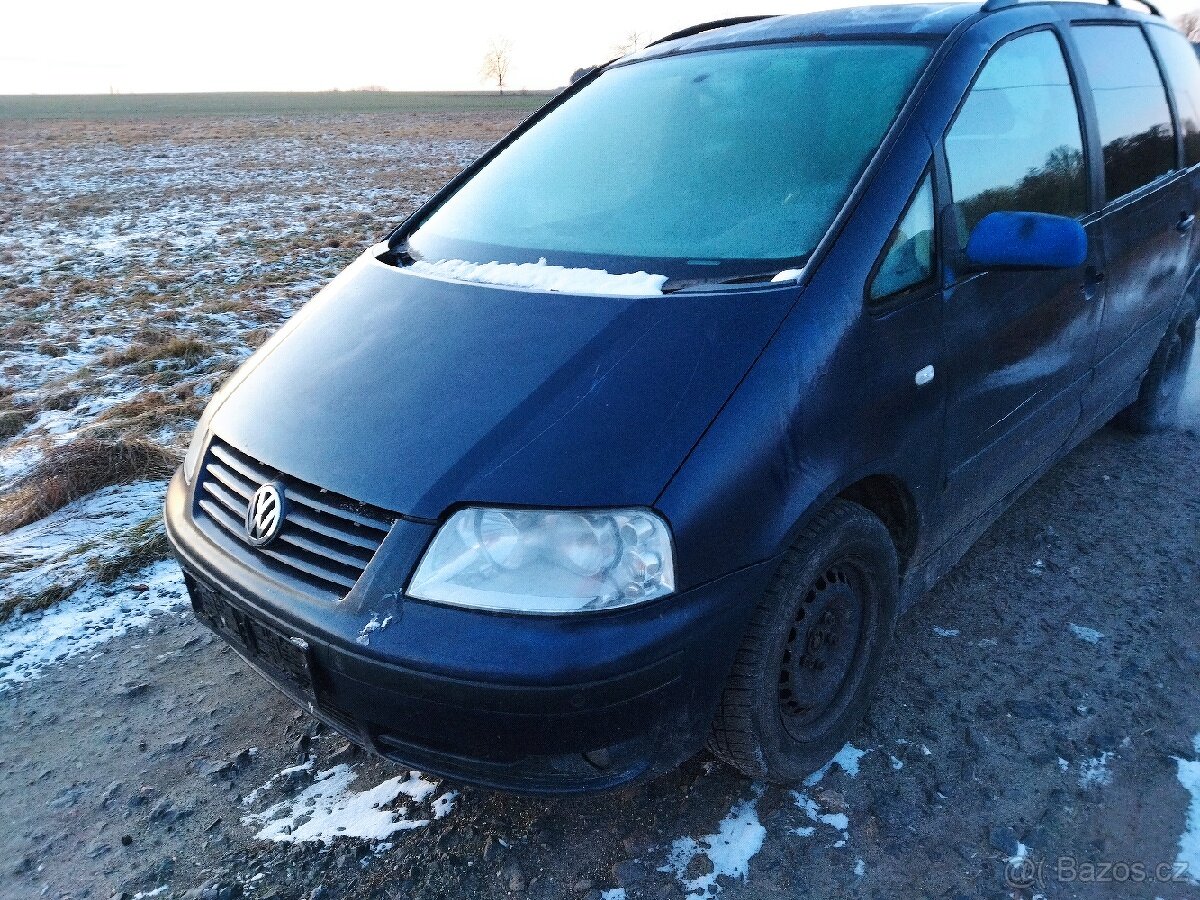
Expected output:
(1037, 733)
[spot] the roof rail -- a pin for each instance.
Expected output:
(995, 5)
(709, 26)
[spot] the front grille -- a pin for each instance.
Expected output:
(326, 540)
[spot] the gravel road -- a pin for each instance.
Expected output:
(1038, 733)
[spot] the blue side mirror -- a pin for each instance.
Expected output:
(1025, 240)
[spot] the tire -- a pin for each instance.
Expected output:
(1157, 403)
(803, 676)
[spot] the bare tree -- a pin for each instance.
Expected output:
(632, 43)
(496, 63)
(1189, 24)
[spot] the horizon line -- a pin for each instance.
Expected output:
(361, 90)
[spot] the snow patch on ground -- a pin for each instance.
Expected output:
(1189, 842)
(59, 548)
(444, 805)
(812, 809)
(251, 798)
(85, 620)
(945, 632)
(1091, 635)
(539, 276)
(1094, 772)
(846, 759)
(329, 809)
(739, 836)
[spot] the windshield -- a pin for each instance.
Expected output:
(704, 165)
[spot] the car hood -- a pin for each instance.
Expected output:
(414, 394)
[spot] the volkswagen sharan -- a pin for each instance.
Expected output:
(640, 434)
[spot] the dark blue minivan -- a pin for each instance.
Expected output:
(642, 432)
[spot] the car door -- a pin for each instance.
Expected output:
(1018, 342)
(1178, 62)
(1148, 216)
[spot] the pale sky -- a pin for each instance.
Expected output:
(133, 46)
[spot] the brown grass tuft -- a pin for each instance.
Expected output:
(76, 469)
(12, 421)
(153, 410)
(145, 544)
(190, 350)
(62, 399)
(44, 599)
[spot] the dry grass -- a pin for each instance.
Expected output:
(479, 124)
(190, 350)
(144, 545)
(140, 546)
(27, 603)
(77, 469)
(62, 399)
(151, 411)
(174, 316)
(12, 421)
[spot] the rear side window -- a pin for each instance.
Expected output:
(1183, 72)
(907, 259)
(1016, 144)
(1131, 106)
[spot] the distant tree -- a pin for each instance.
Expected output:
(496, 63)
(581, 73)
(632, 43)
(1189, 24)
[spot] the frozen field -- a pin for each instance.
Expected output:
(1039, 733)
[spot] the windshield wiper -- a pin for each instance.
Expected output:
(674, 285)
(398, 256)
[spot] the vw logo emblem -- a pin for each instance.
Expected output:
(264, 516)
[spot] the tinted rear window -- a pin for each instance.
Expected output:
(1183, 72)
(1131, 106)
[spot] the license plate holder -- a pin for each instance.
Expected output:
(285, 658)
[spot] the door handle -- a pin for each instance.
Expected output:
(1185, 223)
(1093, 279)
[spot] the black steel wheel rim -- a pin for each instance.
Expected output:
(825, 651)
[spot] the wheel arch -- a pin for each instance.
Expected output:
(889, 499)
(886, 496)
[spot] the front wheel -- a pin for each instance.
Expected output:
(812, 653)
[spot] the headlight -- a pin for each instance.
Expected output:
(547, 561)
(191, 460)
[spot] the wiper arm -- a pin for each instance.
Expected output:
(398, 256)
(675, 285)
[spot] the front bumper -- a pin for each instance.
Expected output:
(537, 704)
